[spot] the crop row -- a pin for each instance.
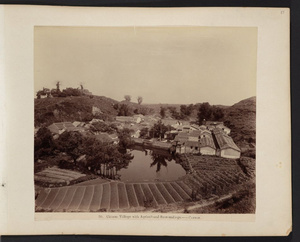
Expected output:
(56, 175)
(112, 196)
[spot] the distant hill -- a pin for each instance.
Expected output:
(241, 118)
(58, 109)
(246, 104)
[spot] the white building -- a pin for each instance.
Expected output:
(225, 145)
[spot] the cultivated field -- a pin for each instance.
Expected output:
(56, 175)
(111, 196)
(214, 177)
(210, 178)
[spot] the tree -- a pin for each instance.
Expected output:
(144, 133)
(57, 86)
(162, 112)
(39, 94)
(174, 112)
(190, 108)
(72, 92)
(72, 143)
(158, 160)
(102, 127)
(127, 98)
(186, 110)
(43, 143)
(140, 100)
(105, 159)
(204, 112)
(116, 106)
(124, 110)
(158, 130)
(125, 141)
(218, 113)
(46, 92)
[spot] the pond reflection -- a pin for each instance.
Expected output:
(151, 165)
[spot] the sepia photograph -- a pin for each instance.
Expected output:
(145, 119)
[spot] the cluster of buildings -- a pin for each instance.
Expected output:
(212, 138)
(209, 139)
(84, 128)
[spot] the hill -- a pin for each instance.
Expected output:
(59, 109)
(241, 119)
(80, 108)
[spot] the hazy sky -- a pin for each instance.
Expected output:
(179, 65)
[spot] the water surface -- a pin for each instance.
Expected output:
(151, 165)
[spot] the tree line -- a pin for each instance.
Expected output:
(204, 112)
(128, 99)
(125, 109)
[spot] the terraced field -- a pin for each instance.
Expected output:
(111, 196)
(210, 177)
(216, 176)
(56, 175)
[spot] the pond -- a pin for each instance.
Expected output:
(151, 165)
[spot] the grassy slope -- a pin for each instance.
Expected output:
(242, 118)
(58, 109)
(49, 110)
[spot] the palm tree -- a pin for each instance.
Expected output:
(159, 161)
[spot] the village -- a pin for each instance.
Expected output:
(211, 138)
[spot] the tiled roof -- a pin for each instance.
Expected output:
(195, 133)
(204, 142)
(225, 141)
(206, 131)
(192, 143)
(195, 126)
(183, 134)
(207, 142)
(181, 139)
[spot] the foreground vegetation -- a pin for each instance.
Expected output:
(99, 158)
